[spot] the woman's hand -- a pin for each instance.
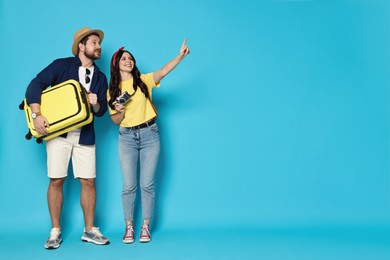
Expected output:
(119, 107)
(184, 50)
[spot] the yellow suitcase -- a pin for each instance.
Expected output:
(65, 106)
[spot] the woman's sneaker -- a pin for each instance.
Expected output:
(54, 240)
(128, 238)
(94, 236)
(145, 234)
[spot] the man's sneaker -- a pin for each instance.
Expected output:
(55, 239)
(94, 236)
(145, 234)
(129, 235)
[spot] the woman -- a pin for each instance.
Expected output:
(138, 133)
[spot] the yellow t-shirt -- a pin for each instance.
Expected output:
(139, 109)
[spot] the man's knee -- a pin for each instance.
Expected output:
(87, 183)
(57, 182)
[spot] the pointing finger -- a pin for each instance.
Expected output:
(184, 42)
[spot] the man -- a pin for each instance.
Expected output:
(77, 144)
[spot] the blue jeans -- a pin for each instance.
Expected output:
(141, 145)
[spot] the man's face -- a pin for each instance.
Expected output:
(92, 49)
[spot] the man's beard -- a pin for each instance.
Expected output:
(91, 55)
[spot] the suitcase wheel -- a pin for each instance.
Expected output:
(21, 106)
(28, 135)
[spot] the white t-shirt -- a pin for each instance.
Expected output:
(83, 76)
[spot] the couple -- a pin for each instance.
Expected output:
(138, 133)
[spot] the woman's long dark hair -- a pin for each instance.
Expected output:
(114, 89)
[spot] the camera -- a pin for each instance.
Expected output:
(123, 98)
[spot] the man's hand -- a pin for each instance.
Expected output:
(93, 100)
(40, 124)
(92, 97)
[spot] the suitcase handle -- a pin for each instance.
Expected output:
(83, 95)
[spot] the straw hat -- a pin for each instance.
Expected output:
(80, 34)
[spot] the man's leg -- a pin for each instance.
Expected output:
(55, 200)
(88, 201)
(84, 168)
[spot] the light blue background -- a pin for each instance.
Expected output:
(277, 120)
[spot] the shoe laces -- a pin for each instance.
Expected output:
(129, 230)
(54, 232)
(145, 230)
(95, 231)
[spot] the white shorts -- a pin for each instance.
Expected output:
(60, 149)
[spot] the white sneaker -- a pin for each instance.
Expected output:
(55, 239)
(94, 236)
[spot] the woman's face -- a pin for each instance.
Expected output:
(126, 63)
